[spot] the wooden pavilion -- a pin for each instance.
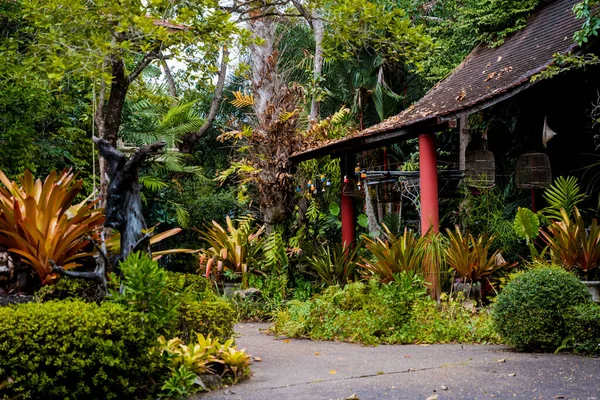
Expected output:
(488, 76)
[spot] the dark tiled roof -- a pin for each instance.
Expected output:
(487, 74)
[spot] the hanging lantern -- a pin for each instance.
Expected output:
(480, 168)
(533, 171)
(363, 174)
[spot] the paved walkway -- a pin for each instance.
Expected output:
(302, 369)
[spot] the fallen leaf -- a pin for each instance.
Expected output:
(559, 397)
(424, 344)
(434, 397)
(317, 354)
(257, 359)
(499, 58)
(503, 360)
(286, 341)
(406, 356)
(332, 372)
(352, 397)
(444, 387)
(512, 374)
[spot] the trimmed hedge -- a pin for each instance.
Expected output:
(530, 311)
(583, 324)
(200, 309)
(71, 350)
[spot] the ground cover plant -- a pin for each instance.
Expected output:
(374, 313)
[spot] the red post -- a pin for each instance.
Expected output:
(347, 202)
(348, 221)
(428, 183)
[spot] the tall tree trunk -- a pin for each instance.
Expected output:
(319, 32)
(318, 28)
(108, 116)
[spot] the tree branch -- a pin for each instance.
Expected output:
(215, 103)
(148, 58)
(168, 76)
(141, 154)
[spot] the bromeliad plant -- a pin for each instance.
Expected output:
(393, 255)
(471, 257)
(572, 245)
(231, 249)
(207, 356)
(335, 265)
(40, 224)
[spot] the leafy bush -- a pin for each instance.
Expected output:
(39, 223)
(142, 288)
(66, 288)
(360, 312)
(183, 284)
(212, 316)
(583, 324)
(446, 322)
(72, 350)
(529, 313)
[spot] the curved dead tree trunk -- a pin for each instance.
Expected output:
(123, 202)
(123, 208)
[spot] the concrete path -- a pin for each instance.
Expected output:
(302, 369)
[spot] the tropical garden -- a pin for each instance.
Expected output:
(230, 229)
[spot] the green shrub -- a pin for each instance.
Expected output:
(583, 324)
(529, 313)
(143, 288)
(199, 286)
(446, 322)
(66, 288)
(215, 316)
(360, 312)
(71, 350)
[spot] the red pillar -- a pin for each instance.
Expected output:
(428, 183)
(347, 202)
(348, 221)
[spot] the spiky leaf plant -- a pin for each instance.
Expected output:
(39, 222)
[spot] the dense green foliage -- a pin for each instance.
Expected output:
(583, 324)
(71, 350)
(529, 313)
(374, 313)
(142, 288)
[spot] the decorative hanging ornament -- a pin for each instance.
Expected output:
(309, 184)
(346, 180)
(357, 169)
(322, 178)
(298, 189)
(363, 174)
(328, 183)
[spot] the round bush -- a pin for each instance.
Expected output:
(73, 350)
(529, 313)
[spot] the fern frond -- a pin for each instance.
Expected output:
(242, 100)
